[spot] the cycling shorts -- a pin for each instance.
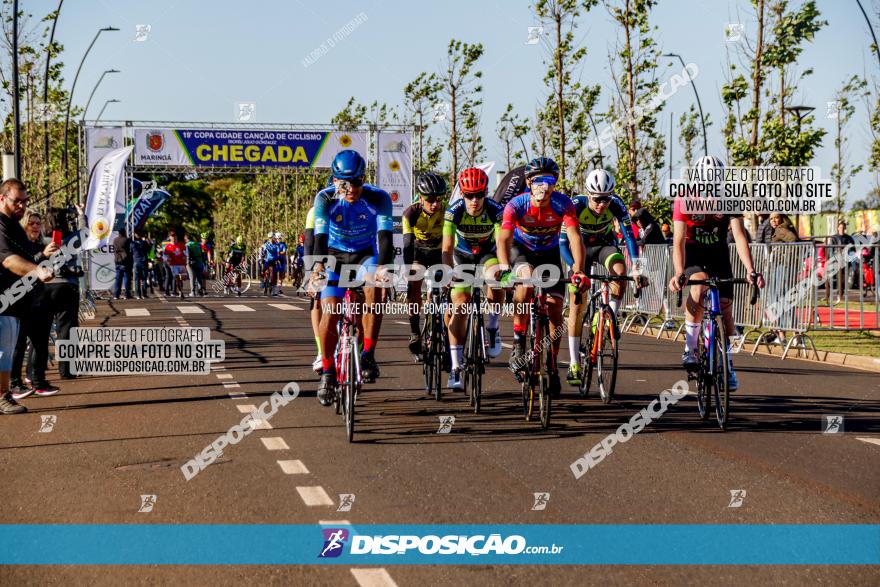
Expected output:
(712, 260)
(365, 258)
(520, 255)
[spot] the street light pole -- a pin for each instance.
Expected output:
(70, 101)
(870, 28)
(16, 116)
(105, 107)
(95, 89)
(800, 112)
(699, 105)
(46, 99)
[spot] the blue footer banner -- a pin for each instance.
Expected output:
(210, 544)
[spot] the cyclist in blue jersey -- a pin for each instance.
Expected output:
(469, 230)
(282, 260)
(529, 238)
(353, 226)
(269, 256)
(598, 212)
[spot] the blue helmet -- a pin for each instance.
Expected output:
(348, 164)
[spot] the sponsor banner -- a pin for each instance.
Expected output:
(394, 168)
(146, 205)
(106, 197)
(100, 141)
(102, 271)
(487, 167)
(242, 147)
(511, 185)
(476, 544)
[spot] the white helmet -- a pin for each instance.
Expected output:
(270, 235)
(279, 236)
(600, 182)
(709, 162)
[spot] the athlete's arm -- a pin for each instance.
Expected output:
(742, 249)
(679, 230)
(565, 249)
(504, 240)
(625, 225)
(409, 238)
(384, 226)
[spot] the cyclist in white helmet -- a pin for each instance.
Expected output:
(599, 214)
(699, 250)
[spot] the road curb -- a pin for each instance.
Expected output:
(843, 359)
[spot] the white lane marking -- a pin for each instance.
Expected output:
(239, 308)
(507, 345)
(293, 467)
(246, 408)
(257, 424)
(274, 443)
(190, 310)
(373, 578)
(314, 496)
(401, 322)
(137, 312)
(285, 307)
(642, 380)
(869, 440)
(237, 395)
(231, 385)
(218, 367)
(334, 522)
(223, 375)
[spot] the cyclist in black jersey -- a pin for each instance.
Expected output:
(422, 227)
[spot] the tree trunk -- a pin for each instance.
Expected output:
(560, 105)
(756, 85)
(454, 134)
(631, 99)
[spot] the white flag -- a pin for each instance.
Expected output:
(106, 197)
(488, 166)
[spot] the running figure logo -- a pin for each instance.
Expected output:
(334, 540)
(832, 424)
(541, 500)
(47, 423)
(346, 500)
(147, 503)
(535, 33)
(737, 496)
(446, 423)
(141, 32)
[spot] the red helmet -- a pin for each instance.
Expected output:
(473, 181)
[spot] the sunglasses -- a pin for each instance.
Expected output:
(355, 182)
(476, 196)
(600, 199)
(548, 179)
(431, 199)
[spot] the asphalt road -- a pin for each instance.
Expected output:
(116, 438)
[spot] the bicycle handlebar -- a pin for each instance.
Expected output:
(714, 282)
(608, 278)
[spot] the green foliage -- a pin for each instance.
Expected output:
(460, 87)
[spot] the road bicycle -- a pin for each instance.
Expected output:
(268, 277)
(435, 341)
(348, 364)
(712, 367)
(600, 334)
(474, 357)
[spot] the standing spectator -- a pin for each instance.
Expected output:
(194, 265)
(764, 233)
(783, 229)
(649, 231)
(123, 260)
(139, 264)
(208, 267)
(168, 274)
(175, 255)
(35, 326)
(667, 232)
(839, 241)
(15, 263)
(63, 290)
(634, 207)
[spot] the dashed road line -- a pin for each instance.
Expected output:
(137, 312)
(232, 385)
(239, 308)
(223, 375)
(373, 578)
(869, 440)
(314, 496)
(274, 443)
(257, 424)
(190, 310)
(246, 408)
(293, 467)
(285, 307)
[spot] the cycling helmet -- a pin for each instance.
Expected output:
(239, 240)
(709, 162)
(279, 236)
(431, 184)
(600, 182)
(473, 181)
(348, 164)
(270, 235)
(542, 166)
(204, 235)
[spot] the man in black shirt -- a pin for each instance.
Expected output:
(16, 294)
(124, 264)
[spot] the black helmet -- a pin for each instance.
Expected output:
(542, 166)
(431, 184)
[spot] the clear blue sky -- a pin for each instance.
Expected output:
(203, 57)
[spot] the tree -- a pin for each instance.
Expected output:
(461, 89)
(511, 127)
(870, 202)
(841, 172)
(419, 97)
(687, 134)
(561, 16)
(635, 65)
(350, 117)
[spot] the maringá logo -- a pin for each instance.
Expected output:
(394, 166)
(345, 141)
(334, 542)
(100, 228)
(155, 141)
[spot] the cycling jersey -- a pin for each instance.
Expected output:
(236, 254)
(703, 229)
(352, 226)
(175, 254)
(309, 232)
(474, 235)
(269, 253)
(282, 254)
(537, 229)
(597, 230)
(427, 230)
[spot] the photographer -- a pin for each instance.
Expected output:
(63, 290)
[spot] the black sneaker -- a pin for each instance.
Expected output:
(517, 355)
(10, 406)
(690, 361)
(415, 344)
(369, 369)
(327, 389)
(45, 389)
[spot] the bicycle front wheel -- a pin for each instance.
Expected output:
(351, 390)
(476, 363)
(544, 396)
(606, 358)
(719, 379)
(585, 355)
(704, 377)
